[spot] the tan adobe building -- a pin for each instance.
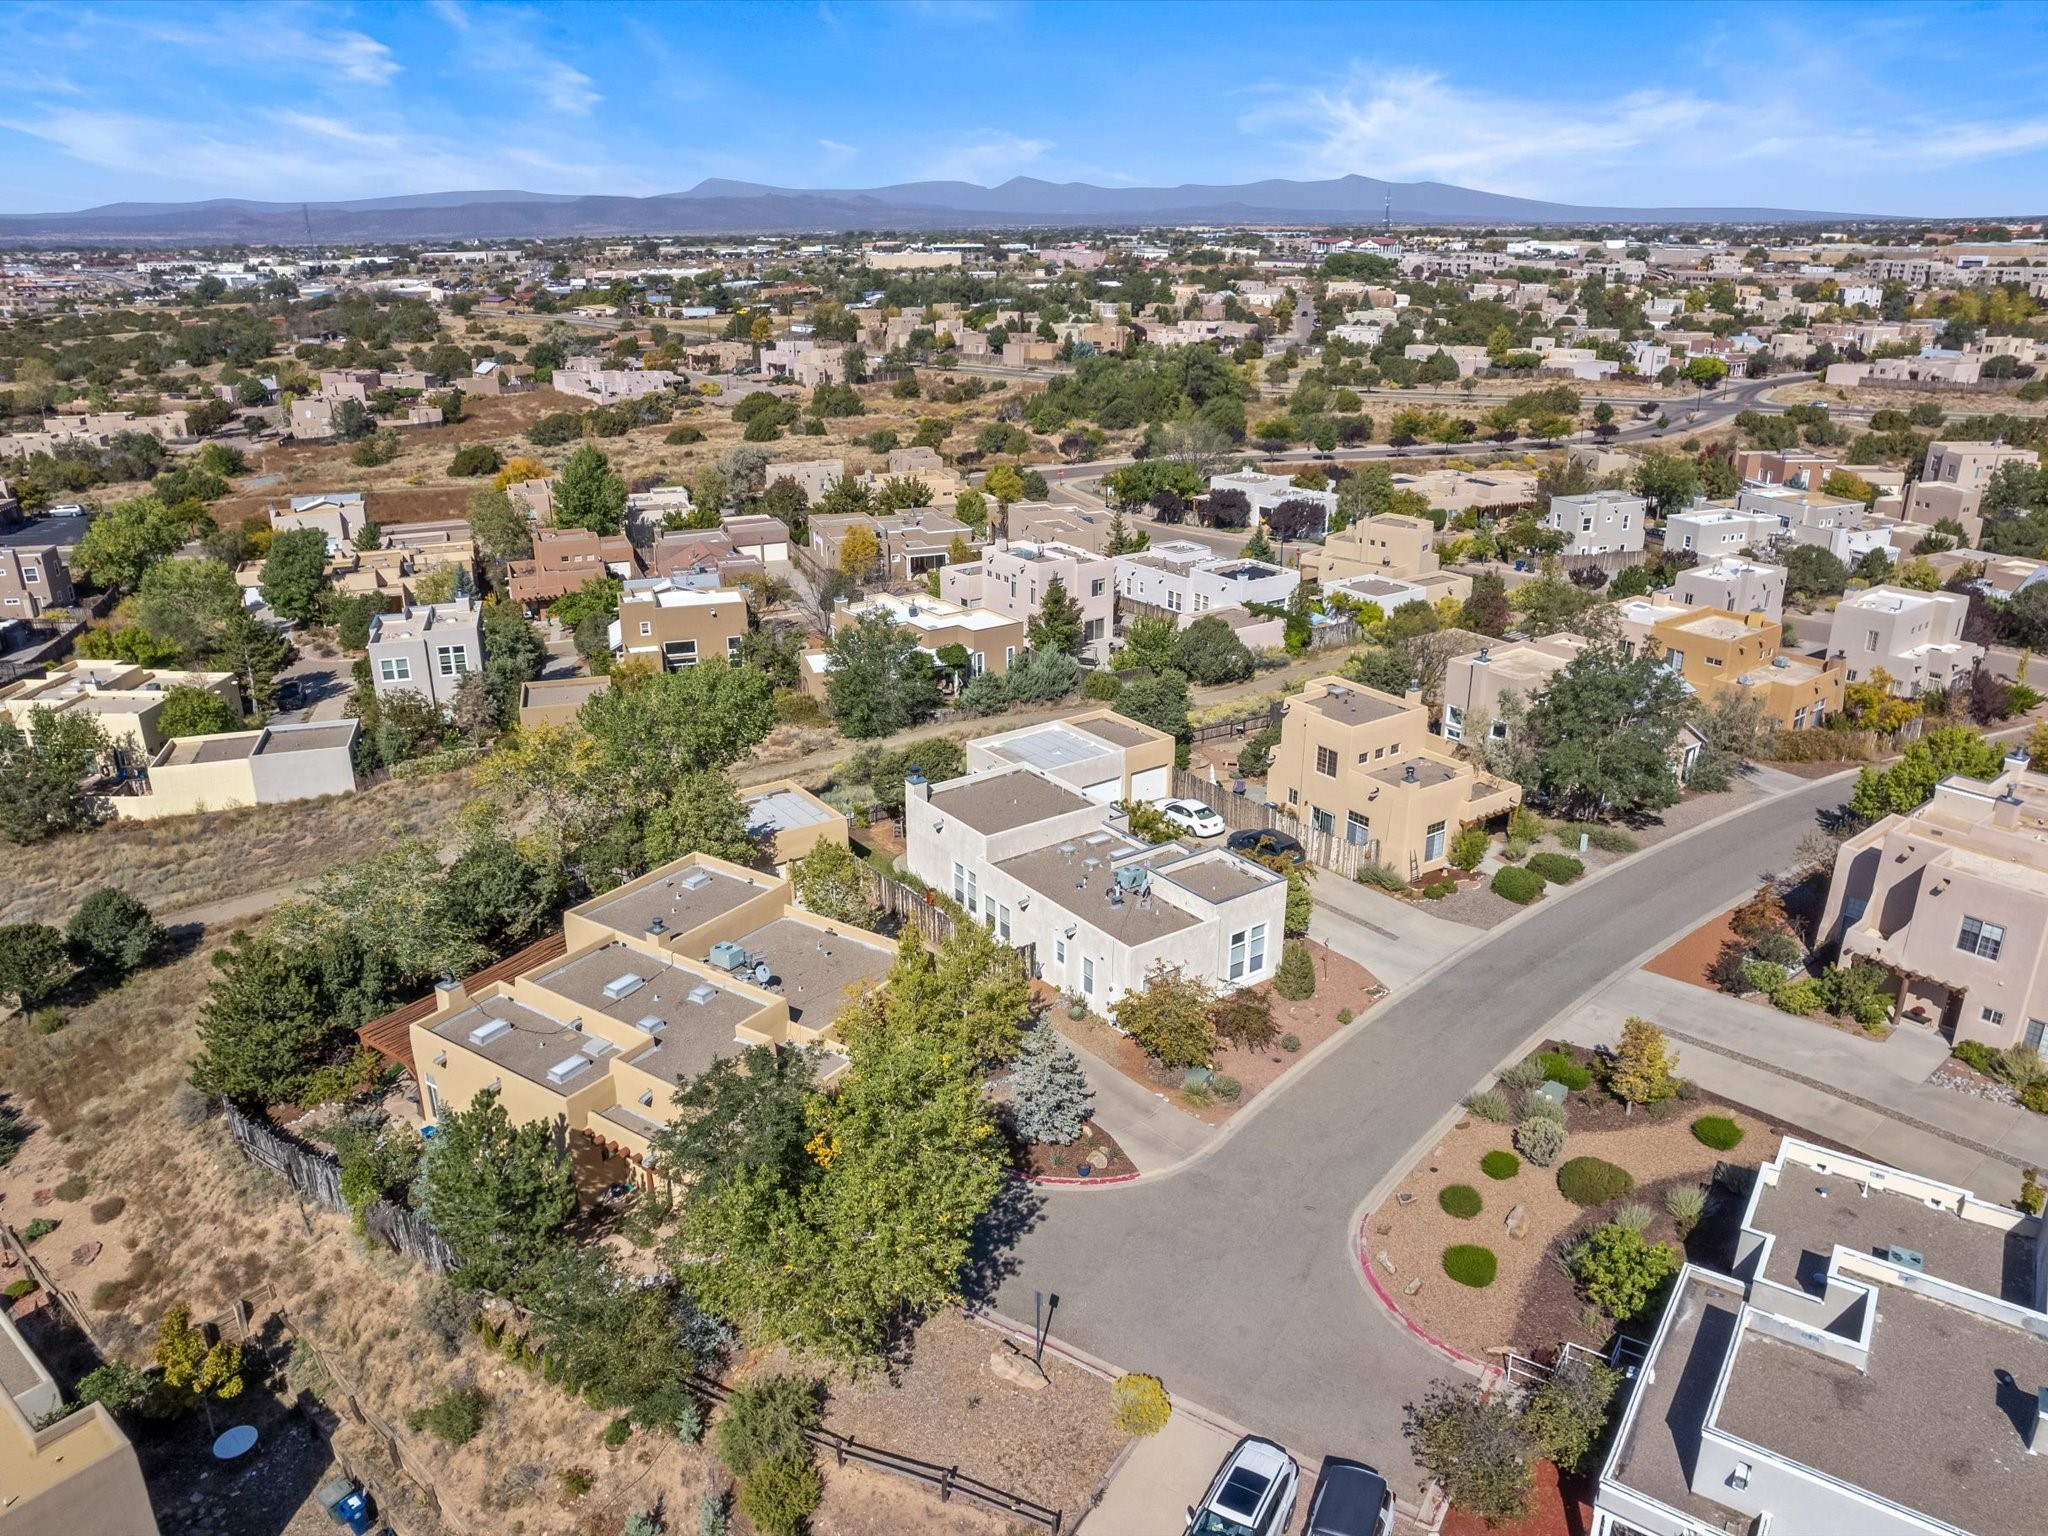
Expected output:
(1391, 544)
(1915, 637)
(1953, 482)
(1735, 583)
(1359, 764)
(1049, 522)
(788, 821)
(74, 1475)
(125, 699)
(649, 985)
(1999, 576)
(267, 766)
(557, 700)
(815, 476)
(1012, 578)
(565, 559)
(678, 626)
(908, 543)
(1103, 755)
(1475, 684)
(33, 580)
(992, 640)
(1714, 650)
(1953, 897)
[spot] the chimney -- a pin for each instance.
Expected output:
(448, 993)
(1408, 774)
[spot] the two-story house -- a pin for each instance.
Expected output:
(670, 621)
(427, 649)
(33, 580)
(1715, 650)
(1598, 523)
(1012, 577)
(565, 559)
(1735, 584)
(1915, 637)
(1184, 579)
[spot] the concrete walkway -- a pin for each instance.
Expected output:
(1396, 940)
(1163, 1475)
(1872, 1097)
(1154, 1133)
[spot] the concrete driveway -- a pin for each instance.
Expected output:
(1234, 1277)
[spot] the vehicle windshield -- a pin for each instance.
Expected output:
(1213, 1522)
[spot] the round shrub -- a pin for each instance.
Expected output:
(1537, 1105)
(1717, 1131)
(1540, 1141)
(1560, 1068)
(1500, 1165)
(474, 459)
(1470, 1264)
(1521, 886)
(1802, 997)
(1557, 868)
(1102, 685)
(782, 1494)
(1140, 1404)
(1345, 1015)
(1228, 1089)
(618, 1432)
(1592, 1181)
(1296, 978)
(682, 437)
(1459, 1200)
(1290, 1043)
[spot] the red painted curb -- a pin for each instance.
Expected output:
(1372, 1279)
(1115, 1178)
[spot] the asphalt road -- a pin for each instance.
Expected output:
(1233, 1279)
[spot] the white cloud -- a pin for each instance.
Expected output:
(269, 37)
(501, 44)
(987, 158)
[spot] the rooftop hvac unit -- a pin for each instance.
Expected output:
(702, 993)
(562, 1071)
(653, 1024)
(1133, 877)
(624, 986)
(695, 880)
(488, 1031)
(728, 956)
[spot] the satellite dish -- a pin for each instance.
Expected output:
(762, 975)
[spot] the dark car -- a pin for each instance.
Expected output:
(1351, 1500)
(1268, 843)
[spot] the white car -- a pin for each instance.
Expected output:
(1253, 1494)
(67, 509)
(1192, 816)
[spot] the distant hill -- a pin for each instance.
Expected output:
(736, 207)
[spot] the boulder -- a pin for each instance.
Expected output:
(1518, 1222)
(1007, 1364)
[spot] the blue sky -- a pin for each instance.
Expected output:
(1936, 109)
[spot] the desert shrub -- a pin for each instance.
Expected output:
(16, 1289)
(1537, 1105)
(1730, 970)
(47, 1021)
(1975, 1053)
(1476, 1445)
(1140, 1404)
(1384, 876)
(118, 1386)
(104, 1211)
(455, 1417)
(682, 437)
(1469, 847)
(1606, 839)
(1540, 1141)
(1459, 1200)
(1438, 890)
(1296, 978)
(1560, 1068)
(1345, 1015)
(1686, 1204)
(1526, 1073)
(1798, 997)
(38, 1229)
(1569, 1411)
(1557, 868)
(1766, 976)
(689, 1421)
(782, 1495)
(1635, 1216)
(1490, 1104)
(2035, 1097)
(2018, 1065)
(1245, 1018)
(1290, 1043)
(1521, 886)
(617, 1433)
(1780, 948)
(766, 1419)
(1500, 1165)
(1589, 1181)
(442, 1313)
(1227, 1088)
(1718, 1132)
(1618, 1270)
(473, 459)
(1862, 992)
(73, 1188)
(575, 1482)
(1470, 1264)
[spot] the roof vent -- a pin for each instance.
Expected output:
(1906, 1258)
(702, 993)
(1780, 661)
(562, 1071)
(1408, 774)
(656, 928)
(695, 880)
(624, 986)
(488, 1031)
(652, 1024)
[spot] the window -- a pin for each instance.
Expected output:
(646, 628)
(2037, 1033)
(1586, 523)
(960, 882)
(1982, 939)
(1715, 661)
(1088, 975)
(452, 660)
(1095, 587)
(30, 575)
(395, 669)
(1322, 820)
(1798, 719)
(433, 1100)
(1009, 657)
(732, 648)
(1433, 842)
(1326, 762)
(980, 663)
(1003, 923)
(1294, 797)
(1992, 1016)
(1357, 829)
(1870, 639)
(1059, 950)
(1172, 600)
(1256, 960)
(680, 653)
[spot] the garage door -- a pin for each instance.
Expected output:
(1149, 784)
(1108, 792)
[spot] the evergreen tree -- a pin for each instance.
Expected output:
(589, 493)
(498, 1194)
(1057, 625)
(255, 653)
(1049, 1099)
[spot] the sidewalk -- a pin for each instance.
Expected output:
(1872, 1097)
(1152, 1131)
(1150, 1493)
(1396, 940)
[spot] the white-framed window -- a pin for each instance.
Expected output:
(1357, 829)
(395, 669)
(30, 575)
(646, 627)
(732, 648)
(1294, 797)
(1326, 762)
(1096, 587)
(1256, 956)
(452, 660)
(2037, 1033)
(1433, 841)
(1002, 922)
(1323, 821)
(960, 882)
(1992, 1016)
(1982, 939)
(1059, 951)
(1009, 657)
(433, 1099)
(1088, 975)
(1248, 952)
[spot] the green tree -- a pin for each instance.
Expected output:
(255, 653)
(193, 711)
(703, 814)
(1005, 485)
(114, 934)
(187, 603)
(1568, 1413)
(496, 895)
(1668, 481)
(1057, 625)
(1049, 1097)
(828, 883)
(198, 1371)
(1477, 1446)
(1906, 785)
(1151, 642)
(1644, 1065)
(513, 655)
(295, 574)
(619, 1343)
(266, 1026)
(744, 1116)
(42, 771)
(1160, 702)
(34, 963)
(1209, 652)
(1170, 1017)
(589, 493)
(499, 528)
(877, 681)
(126, 539)
(1600, 735)
(1811, 571)
(648, 734)
(500, 1195)
(973, 996)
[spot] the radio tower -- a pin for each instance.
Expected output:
(1390, 210)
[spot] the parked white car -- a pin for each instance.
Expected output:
(1253, 1494)
(1191, 816)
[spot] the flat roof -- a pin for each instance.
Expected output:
(664, 991)
(1353, 704)
(779, 810)
(819, 968)
(1220, 877)
(1122, 733)
(1809, 1227)
(1671, 1402)
(1936, 1423)
(528, 1049)
(1053, 746)
(212, 749)
(681, 907)
(1428, 770)
(561, 692)
(18, 1373)
(1716, 626)
(1061, 873)
(1002, 802)
(307, 738)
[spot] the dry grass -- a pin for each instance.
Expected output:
(188, 861)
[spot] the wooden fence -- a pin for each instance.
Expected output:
(318, 1179)
(1237, 725)
(32, 1267)
(1243, 813)
(919, 909)
(945, 1481)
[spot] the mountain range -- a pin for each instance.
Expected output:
(721, 207)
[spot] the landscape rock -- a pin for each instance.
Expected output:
(1006, 1364)
(1518, 1221)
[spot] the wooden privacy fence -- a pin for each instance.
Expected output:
(1237, 725)
(916, 908)
(318, 1179)
(1242, 813)
(945, 1481)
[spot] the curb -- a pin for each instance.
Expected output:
(1053, 1183)
(1456, 1356)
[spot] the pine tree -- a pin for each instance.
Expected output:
(1644, 1065)
(1057, 624)
(1258, 548)
(1048, 1090)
